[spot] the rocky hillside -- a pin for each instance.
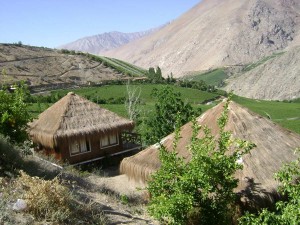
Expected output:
(278, 78)
(47, 67)
(97, 44)
(217, 33)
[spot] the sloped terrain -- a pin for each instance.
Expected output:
(43, 66)
(217, 33)
(97, 44)
(276, 79)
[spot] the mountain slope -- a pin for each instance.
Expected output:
(47, 67)
(217, 33)
(276, 79)
(103, 42)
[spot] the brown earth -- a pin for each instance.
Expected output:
(217, 33)
(276, 79)
(43, 66)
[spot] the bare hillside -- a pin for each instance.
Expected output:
(97, 44)
(276, 79)
(43, 66)
(217, 33)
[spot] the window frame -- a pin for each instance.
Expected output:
(79, 142)
(108, 136)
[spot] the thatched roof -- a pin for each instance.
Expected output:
(274, 146)
(74, 116)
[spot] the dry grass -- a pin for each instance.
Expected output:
(48, 201)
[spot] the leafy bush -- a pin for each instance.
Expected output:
(167, 106)
(14, 115)
(201, 190)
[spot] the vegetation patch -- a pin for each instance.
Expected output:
(287, 114)
(214, 77)
(260, 62)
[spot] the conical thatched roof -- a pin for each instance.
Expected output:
(274, 146)
(74, 116)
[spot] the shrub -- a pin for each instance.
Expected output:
(202, 189)
(287, 212)
(10, 158)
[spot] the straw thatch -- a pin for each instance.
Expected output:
(274, 146)
(74, 116)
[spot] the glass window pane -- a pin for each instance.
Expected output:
(104, 141)
(113, 139)
(83, 147)
(74, 147)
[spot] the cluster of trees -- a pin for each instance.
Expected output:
(155, 76)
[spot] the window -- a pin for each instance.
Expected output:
(109, 140)
(80, 146)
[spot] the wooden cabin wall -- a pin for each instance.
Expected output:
(96, 150)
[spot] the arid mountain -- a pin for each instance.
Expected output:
(47, 67)
(97, 44)
(217, 33)
(276, 79)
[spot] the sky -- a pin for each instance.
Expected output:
(51, 23)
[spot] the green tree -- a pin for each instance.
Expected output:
(168, 105)
(287, 212)
(155, 75)
(14, 115)
(200, 191)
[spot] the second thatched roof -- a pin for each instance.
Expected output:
(274, 147)
(74, 116)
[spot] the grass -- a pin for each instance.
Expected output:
(260, 62)
(214, 77)
(193, 96)
(284, 113)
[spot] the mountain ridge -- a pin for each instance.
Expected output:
(215, 34)
(99, 43)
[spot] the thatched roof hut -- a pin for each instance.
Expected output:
(274, 147)
(73, 117)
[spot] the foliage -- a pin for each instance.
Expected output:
(200, 191)
(155, 75)
(10, 158)
(168, 105)
(14, 115)
(287, 212)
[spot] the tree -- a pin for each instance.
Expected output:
(168, 105)
(132, 101)
(14, 115)
(155, 75)
(200, 191)
(287, 212)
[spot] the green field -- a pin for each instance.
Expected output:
(193, 96)
(284, 113)
(214, 77)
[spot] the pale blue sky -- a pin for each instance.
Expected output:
(51, 23)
